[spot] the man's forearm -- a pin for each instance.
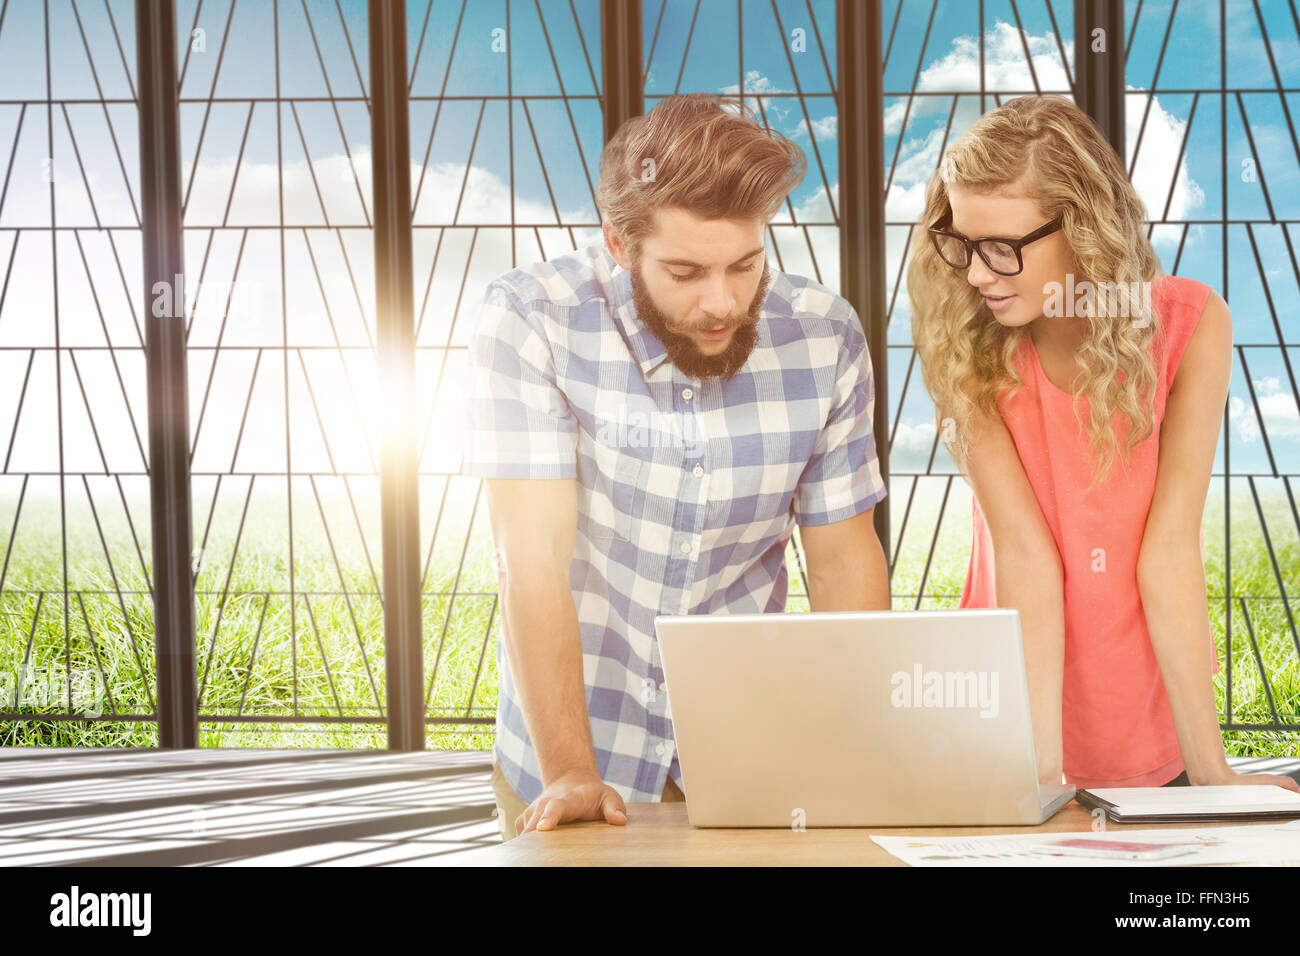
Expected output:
(855, 580)
(543, 646)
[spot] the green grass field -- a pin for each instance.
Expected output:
(324, 649)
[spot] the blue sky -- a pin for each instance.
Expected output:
(500, 51)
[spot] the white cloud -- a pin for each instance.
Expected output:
(1161, 141)
(776, 109)
(1277, 408)
(1006, 69)
(916, 161)
(1005, 66)
(814, 207)
(910, 450)
(824, 129)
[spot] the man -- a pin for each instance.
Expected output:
(652, 418)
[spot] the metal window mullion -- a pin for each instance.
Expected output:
(1099, 77)
(1227, 432)
(863, 277)
(620, 63)
(395, 335)
(163, 257)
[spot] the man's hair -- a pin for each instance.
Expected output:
(701, 152)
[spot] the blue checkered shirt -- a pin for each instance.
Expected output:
(689, 488)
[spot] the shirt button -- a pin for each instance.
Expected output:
(660, 750)
(684, 547)
(688, 394)
(663, 686)
(698, 472)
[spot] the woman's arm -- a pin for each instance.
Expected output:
(1027, 576)
(1171, 571)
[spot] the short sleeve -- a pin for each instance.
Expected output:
(519, 423)
(1180, 302)
(842, 478)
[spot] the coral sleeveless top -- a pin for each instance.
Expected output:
(1117, 728)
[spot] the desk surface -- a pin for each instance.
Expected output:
(659, 834)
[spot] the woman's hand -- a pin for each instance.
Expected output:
(1231, 778)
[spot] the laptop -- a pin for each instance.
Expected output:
(850, 719)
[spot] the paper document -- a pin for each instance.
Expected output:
(1248, 844)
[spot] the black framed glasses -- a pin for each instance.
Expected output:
(1000, 254)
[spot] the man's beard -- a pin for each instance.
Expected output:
(684, 353)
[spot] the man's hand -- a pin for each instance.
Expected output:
(572, 796)
(535, 524)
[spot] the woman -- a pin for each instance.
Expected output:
(1081, 392)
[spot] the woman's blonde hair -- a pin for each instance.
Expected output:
(698, 151)
(1046, 148)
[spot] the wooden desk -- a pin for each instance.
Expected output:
(659, 834)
